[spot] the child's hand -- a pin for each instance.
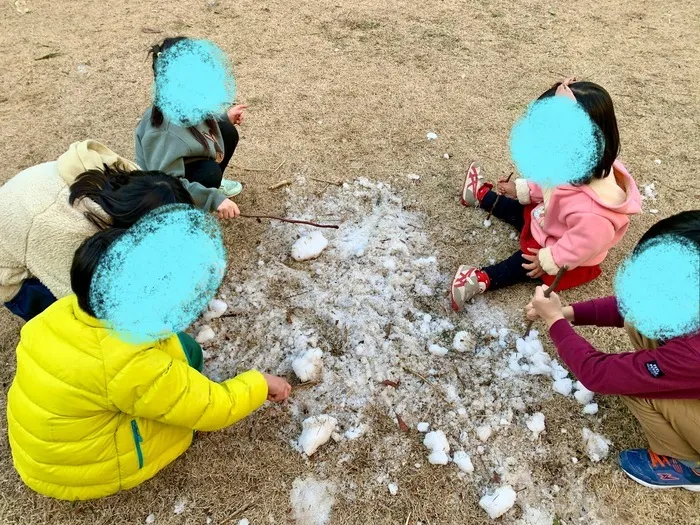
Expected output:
(228, 210)
(235, 113)
(506, 188)
(277, 388)
(531, 313)
(535, 267)
(549, 310)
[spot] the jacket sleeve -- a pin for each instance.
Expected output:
(528, 192)
(628, 373)
(155, 386)
(208, 199)
(587, 235)
(164, 151)
(598, 312)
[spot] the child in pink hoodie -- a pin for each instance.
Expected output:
(572, 224)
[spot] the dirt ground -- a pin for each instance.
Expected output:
(339, 90)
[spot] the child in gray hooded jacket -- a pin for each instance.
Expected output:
(197, 155)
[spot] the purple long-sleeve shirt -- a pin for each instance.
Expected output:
(670, 371)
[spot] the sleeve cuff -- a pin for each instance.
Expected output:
(257, 387)
(522, 190)
(547, 261)
(217, 199)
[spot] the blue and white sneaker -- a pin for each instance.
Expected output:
(658, 472)
(231, 188)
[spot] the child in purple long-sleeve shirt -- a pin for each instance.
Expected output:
(659, 382)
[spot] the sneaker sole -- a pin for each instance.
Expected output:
(691, 488)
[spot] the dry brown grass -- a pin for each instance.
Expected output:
(341, 90)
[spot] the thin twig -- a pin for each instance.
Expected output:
(292, 221)
(236, 512)
(497, 199)
(674, 188)
(258, 169)
(429, 383)
(280, 184)
(408, 517)
(547, 293)
(339, 184)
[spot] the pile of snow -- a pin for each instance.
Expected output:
(597, 446)
(316, 431)
(312, 501)
(309, 365)
(439, 448)
(536, 423)
(393, 489)
(205, 334)
(498, 502)
(179, 506)
(423, 426)
(431, 135)
(590, 409)
(216, 309)
(437, 350)
(309, 247)
(582, 394)
(374, 304)
(649, 192)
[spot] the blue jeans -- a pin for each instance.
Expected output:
(32, 299)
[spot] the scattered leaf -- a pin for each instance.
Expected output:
(402, 424)
(388, 382)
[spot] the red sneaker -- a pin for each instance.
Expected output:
(467, 283)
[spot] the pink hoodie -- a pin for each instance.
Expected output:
(577, 225)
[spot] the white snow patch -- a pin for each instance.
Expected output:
(244, 521)
(355, 432)
(151, 518)
(597, 446)
(179, 506)
(563, 386)
(216, 308)
(413, 176)
(431, 135)
(316, 431)
(309, 365)
(582, 394)
(483, 433)
(590, 409)
(312, 501)
(205, 334)
(393, 489)
(437, 350)
(536, 423)
(309, 247)
(423, 427)
(498, 502)
(463, 341)
(439, 448)
(535, 516)
(649, 192)
(487, 223)
(463, 461)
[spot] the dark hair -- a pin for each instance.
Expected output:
(599, 106)
(85, 261)
(157, 114)
(685, 224)
(126, 196)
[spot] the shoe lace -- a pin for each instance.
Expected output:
(473, 180)
(463, 277)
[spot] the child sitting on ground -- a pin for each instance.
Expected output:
(197, 155)
(659, 382)
(572, 224)
(90, 414)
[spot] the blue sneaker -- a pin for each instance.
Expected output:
(658, 472)
(231, 188)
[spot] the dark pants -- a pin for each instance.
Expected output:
(32, 299)
(193, 351)
(509, 271)
(208, 172)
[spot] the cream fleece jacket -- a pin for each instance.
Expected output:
(40, 231)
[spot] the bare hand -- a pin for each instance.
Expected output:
(531, 313)
(228, 210)
(535, 267)
(506, 188)
(548, 309)
(235, 113)
(277, 388)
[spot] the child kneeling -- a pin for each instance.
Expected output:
(90, 414)
(659, 382)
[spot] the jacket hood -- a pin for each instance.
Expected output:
(89, 155)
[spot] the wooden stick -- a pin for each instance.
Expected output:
(547, 293)
(291, 221)
(497, 198)
(258, 169)
(430, 383)
(280, 184)
(339, 184)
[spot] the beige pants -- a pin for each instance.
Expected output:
(672, 426)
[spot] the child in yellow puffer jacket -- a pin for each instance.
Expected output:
(90, 414)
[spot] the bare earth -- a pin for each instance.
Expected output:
(341, 90)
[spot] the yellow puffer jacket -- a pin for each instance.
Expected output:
(90, 415)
